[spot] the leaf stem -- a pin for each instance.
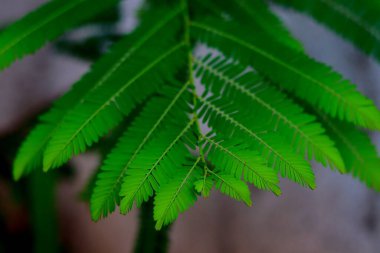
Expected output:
(149, 240)
(191, 78)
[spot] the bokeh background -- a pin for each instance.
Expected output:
(341, 215)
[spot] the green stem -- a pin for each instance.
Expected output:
(150, 240)
(43, 212)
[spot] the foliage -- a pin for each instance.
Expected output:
(357, 21)
(253, 107)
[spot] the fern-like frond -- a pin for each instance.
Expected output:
(102, 72)
(155, 164)
(204, 184)
(356, 21)
(46, 23)
(257, 15)
(236, 122)
(308, 79)
(223, 76)
(176, 143)
(29, 156)
(359, 154)
(232, 187)
(177, 195)
(102, 109)
(232, 157)
(158, 113)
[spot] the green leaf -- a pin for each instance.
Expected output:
(204, 185)
(194, 123)
(46, 23)
(105, 70)
(358, 152)
(234, 121)
(29, 155)
(104, 108)
(256, 15)
(237, 159)
(156, 163)
(222, 76)
(311, 81)
(356, 21)
(230, 186)
(177, 195)
(155, 115)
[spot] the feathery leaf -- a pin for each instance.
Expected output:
(204, 185)
(222, 77)
(356, 21)
(158, 113)
(230, 186)
(160, 157)
(257, 16)
(231, 121)
(237, 159)
(103, 71)
(177, 195)
(103, 108)
(359, 154)
(312, 81)
(46, 23)
(252, 129)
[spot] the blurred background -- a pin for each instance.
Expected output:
(341, 215)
